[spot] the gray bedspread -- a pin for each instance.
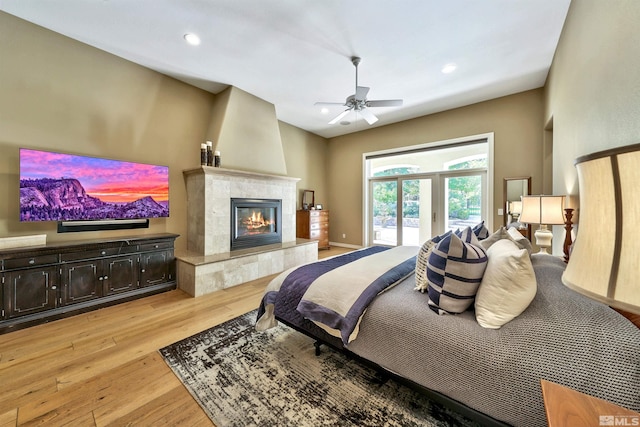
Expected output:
(562, 337)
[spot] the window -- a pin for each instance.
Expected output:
(414, 193)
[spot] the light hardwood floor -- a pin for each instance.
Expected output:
(103, 368)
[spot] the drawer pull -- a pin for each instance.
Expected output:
(103, 253)
(53, 288)
(32, 261)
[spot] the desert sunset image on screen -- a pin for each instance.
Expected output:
(67, 187)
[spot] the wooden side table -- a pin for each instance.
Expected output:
(568, 408)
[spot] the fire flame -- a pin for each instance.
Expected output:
(256, 220)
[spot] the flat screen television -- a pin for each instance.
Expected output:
(69, 187)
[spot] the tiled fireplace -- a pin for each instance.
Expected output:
(222, 253)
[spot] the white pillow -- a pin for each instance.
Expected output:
(502, 233)
(520, 240)
(508, 285)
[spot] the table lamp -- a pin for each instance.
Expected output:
(515, 209)
(543, 210)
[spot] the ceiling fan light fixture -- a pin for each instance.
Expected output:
(340, 116)
(359, 103)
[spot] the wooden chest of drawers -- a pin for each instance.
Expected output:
(313, 225)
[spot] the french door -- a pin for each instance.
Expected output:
(410, 209)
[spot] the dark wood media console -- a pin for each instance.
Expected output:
(44, 283)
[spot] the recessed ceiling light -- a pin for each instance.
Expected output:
(324, 110)
(449, 68)
(345, 123)
(192, 39)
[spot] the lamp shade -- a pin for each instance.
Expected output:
(542, 210)
(515, 207)
(605, 260)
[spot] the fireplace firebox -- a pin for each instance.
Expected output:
(255, 222)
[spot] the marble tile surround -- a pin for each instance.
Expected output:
(209, 265)
(209, 191)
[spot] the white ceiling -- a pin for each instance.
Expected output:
(293, 53)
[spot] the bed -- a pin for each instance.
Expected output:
(490, 374)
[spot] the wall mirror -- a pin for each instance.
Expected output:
(308, 199)
(514, 188)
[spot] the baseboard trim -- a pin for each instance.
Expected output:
(345, 245)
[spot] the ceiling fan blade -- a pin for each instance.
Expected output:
(385, 103)
(358, 101)
(340, 116)
(368, 116)
(361, 93)
(328, 103)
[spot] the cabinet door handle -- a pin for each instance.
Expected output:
(142, 271)
(100, 278)
(106, 277)
(54, 287)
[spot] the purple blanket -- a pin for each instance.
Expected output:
(334, 293)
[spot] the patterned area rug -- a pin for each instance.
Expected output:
(242, 377)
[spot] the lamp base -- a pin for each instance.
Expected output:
(543, 239)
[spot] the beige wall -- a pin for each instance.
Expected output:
(61, 95)
(593, 89)
(245, 130)
(515, 120)
(306, 157)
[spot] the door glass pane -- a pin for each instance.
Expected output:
(385, 206)
(463, 201)
(416, 211)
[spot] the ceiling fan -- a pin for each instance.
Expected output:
(358, 102)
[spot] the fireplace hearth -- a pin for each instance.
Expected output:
(255, 222)
(209, 265)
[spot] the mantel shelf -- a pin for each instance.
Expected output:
(210, 170)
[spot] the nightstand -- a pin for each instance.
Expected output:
(568, 408)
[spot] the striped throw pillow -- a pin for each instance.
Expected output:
(481, 231)
(454, 272)
(421, 261)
